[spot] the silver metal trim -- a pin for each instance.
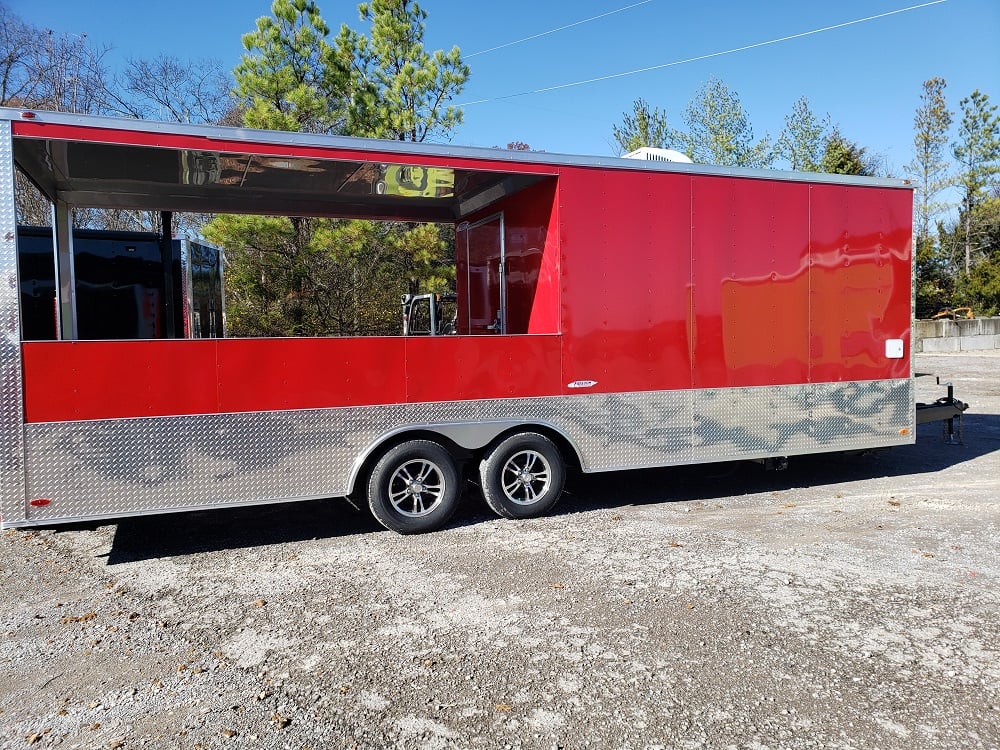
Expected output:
(65, 268)
(346, 143)
(467, 227)
(12, 446)
(135, 466)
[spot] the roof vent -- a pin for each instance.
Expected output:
(658, 154)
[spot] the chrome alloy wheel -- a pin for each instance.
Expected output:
(416, 488)
(526, 477)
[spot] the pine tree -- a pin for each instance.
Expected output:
(399, 90)
(719, 130)
(843, 156)
(643, 127)
(801, 142)
(309, 276)
(291, 77)
(930, 167)
(978, 154)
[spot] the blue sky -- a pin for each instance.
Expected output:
(867, 76)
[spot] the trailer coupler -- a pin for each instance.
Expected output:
(946, 409)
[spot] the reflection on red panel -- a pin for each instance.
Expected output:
(625, 272)
(859, 282)
(71, 380)
(272, 374)
(750, 251)
(84, 380)
(461, 368)
(531, 248)
(479, 313)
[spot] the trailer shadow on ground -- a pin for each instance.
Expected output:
(178, 534)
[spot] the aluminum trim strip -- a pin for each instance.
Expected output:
(12, 479)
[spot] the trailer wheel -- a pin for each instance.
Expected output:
(414, 487)
(522, 476)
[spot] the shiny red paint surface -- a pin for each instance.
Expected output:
(460, 368)
(859, 282)
(83, 380)
(680, 281)
(531, 252)
(626, 268)
(750, 255)
(531, 249)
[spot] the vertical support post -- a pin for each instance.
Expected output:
(167, 261)
(503, 280)
(62, 248)
(13, 508)
(951, 422)
(188, 260)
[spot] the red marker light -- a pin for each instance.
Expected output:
(27, 115)
(40, 502)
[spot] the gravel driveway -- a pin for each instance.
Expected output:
(848, 602)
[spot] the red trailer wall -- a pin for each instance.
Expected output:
(678, 281)
(859, 282)
(531, 247)
(626, 272)
(83, 380)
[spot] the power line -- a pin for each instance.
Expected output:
(704, 57)
(560, 28)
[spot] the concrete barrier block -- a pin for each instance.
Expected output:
(947, 328)
(925, 329)
(989, 326)
(977, 343)
(942, 344)
(969, 327)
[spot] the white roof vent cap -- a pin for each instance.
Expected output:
(658, 154)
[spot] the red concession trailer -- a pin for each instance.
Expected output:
(612, 314)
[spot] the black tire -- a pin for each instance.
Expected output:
(522, 476)
(414, 487)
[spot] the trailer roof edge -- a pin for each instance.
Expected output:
(361, 145)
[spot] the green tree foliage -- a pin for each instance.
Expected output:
(399, 90)
(979, 287)
(719, 130)
(960, 265)
(977, 152)
(844, 156)
(801, 143)
(320, 277)
(929, 171)
(291, 77)
(930, 166)
(310, 277)
(642, 127)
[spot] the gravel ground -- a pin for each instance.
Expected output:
(848, 602)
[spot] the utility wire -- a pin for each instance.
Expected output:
(703, 57)
(560, 28)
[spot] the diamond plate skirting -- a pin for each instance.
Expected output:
(12, 505)
(132, 466)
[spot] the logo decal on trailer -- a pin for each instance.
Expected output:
(582, 384)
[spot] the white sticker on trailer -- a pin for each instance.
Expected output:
(894, 349)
